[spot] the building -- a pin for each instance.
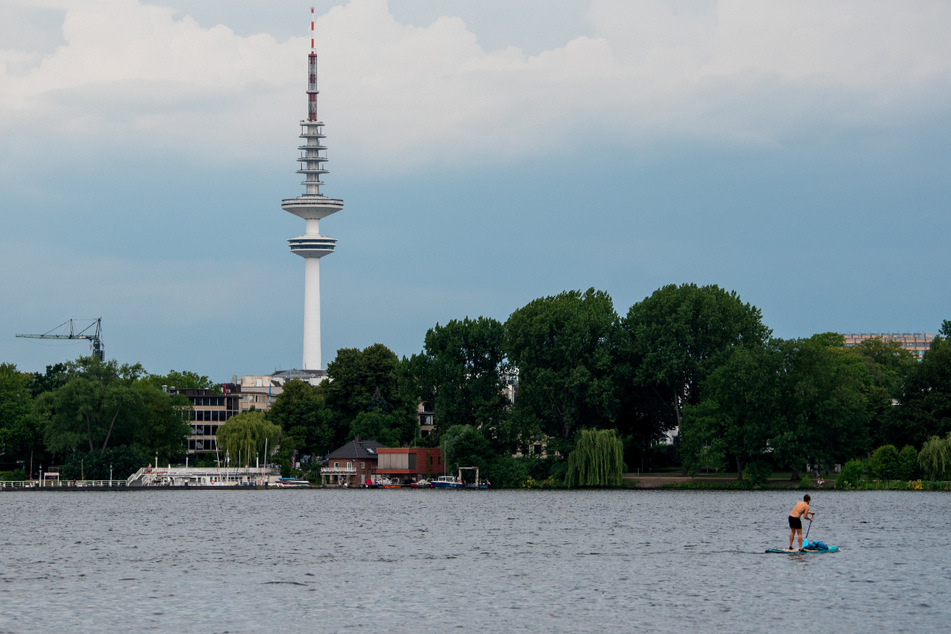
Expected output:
(410, 464)
(351, 465)
(258, 392)
(915, 342)
(312, 206)
(210, 410)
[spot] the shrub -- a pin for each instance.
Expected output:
(851, 475)
(907, 463)
(757, 472)
(884, 463)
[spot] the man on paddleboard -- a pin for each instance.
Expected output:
(795, 519)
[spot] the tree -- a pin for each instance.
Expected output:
(597, 460)
(745, 394)
(247, 435)
(465, 446)
(20, 429)
(885, 463)
(302, 413)
(887, 366)
(924, 408)
(907, 463)
(563, 347)
(356, 378)
(162, 427)
(676, 337)
(823, 403)
(935, 457)
(463, 370)
(181, 380)
(96, 408)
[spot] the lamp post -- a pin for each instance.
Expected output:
(110, 476)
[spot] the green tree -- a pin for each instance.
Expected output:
(676, 337)
(851, 475)
(745, 394)
(935, 457)
(247, 436)
(180, 380)
(162, 427)
(463, 370)
(597, 460)
(357, 377)
(21, 433)
(301, 412)
(907, 463)
(924, 408)
(465, 446)
(885, 463)
(96, 408)
(563, 347)
(823, 402)
(887, 366)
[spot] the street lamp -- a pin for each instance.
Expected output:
(110, 476)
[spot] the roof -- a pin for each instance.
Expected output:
(356, 450)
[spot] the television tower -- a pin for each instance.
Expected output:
(312, 206)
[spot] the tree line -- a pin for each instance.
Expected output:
(526, 399)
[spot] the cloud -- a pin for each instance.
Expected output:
(397, 97)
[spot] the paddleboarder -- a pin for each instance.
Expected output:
(795, 519)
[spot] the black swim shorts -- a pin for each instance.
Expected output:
(795, 522)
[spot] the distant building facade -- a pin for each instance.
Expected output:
(351, 465)
(211, 408)
(915, 342)
(410, 464)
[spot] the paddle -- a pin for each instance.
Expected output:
(805, 541)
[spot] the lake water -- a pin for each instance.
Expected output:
(438, 560)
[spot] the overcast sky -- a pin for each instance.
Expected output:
(488, 152)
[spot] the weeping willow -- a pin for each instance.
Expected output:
(246, 435)
(935, 457)
(597, 460)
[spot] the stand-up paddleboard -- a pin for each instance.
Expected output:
(807, 551)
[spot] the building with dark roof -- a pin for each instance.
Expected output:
(352, 464)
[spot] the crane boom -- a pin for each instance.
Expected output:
(95, 337)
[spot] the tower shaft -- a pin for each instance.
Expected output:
(312, 206)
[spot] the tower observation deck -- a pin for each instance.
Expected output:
(312, 206)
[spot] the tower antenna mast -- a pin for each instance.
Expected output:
(312, 206)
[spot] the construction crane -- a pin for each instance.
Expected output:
(60, 333)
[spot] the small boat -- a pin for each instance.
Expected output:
(445, 482)
(291, 483)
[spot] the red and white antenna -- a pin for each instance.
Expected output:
(312, 73)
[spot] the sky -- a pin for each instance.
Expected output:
(488, 153)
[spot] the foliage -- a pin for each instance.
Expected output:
(364, 380)
(935, 457)
(96, 465)
(925, 402)
(246, 435)
(181, 380)
(598, 459)
(700, 441)
(375, 425)
(507, 472)
(563, 349)
(851, 475)
(885, 463)
(21, 431)
(680, 334)
(464, 446)
(741, 407)
(103, 405)
(907, 463)
(462, 372)
(757, 472)
(304, 418)
(823, 403)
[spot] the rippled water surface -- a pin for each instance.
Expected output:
(425, 560)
